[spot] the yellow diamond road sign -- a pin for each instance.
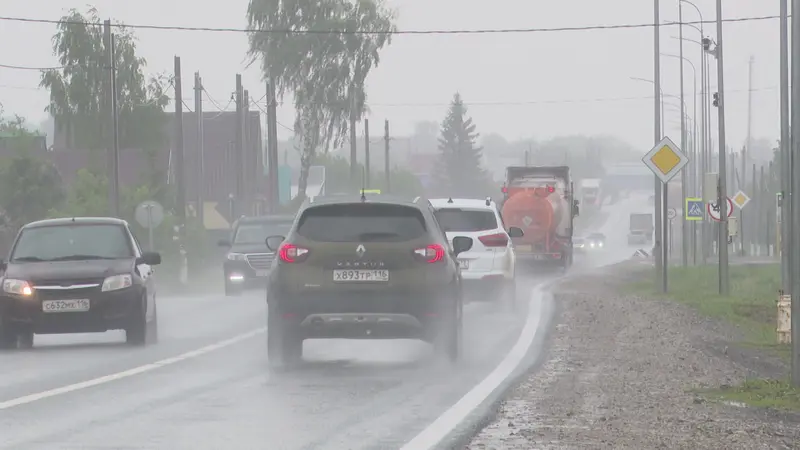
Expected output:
(740, 199)
(665, 160)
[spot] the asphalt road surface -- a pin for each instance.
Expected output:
(205, 385)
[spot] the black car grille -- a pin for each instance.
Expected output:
(60, 289)
(260, 261)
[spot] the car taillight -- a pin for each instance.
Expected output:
(431, 254)
(494, 240)
(291, 253)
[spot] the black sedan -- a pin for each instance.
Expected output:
(596, 241)
(77, 275)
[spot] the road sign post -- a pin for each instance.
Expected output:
(665, 160)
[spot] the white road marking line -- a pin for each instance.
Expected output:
(130, 372)
(437, 431)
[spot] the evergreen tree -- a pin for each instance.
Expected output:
(460, 171)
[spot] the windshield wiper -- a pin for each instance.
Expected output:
(78, 257)
(28, 259)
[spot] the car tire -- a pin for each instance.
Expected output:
(284, 343)
(232, 290)
(25, 339)
(8, 338)
(136, 332)
(510, 295)
(447, 343)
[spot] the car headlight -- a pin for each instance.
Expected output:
(236, 257)
(17, 287)
(117, 282)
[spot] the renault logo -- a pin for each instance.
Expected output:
(360, 250)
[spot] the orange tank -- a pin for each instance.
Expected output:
(537, 212)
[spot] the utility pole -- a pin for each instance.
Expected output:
(248, 166)
(722, 193)
(180, 180)
(684, 172)
(201, 163)
(238, 149)
(114, 180)
(785, 157)
(110, 132)
(660, 188)
(387, 166)
(746, 148)
(794, 195)
(366, 152)
(353, 156)
(272, 148)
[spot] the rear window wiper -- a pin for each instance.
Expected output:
(376, 236)
(79, 257)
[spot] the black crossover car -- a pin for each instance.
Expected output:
(248, 260)
(364, 268)
(77, 275)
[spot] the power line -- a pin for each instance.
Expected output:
(7, 66)
(384, 32)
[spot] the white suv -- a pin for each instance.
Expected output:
(488, 268)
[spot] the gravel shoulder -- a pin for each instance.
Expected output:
(623, 372)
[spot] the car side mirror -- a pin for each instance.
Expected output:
(274, 242)
(149, 258)
(461, 244)
(515, 232)
(224, 243)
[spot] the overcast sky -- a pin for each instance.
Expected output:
(518, 84)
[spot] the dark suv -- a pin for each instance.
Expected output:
(248, 260)
(77, 275)
(364, 268)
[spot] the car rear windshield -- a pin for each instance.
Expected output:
(257, 232)
(361, 223)
(72, 242)
(464, 220)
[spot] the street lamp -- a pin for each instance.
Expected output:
(661, 98)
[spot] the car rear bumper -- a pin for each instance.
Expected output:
(358, 315)
(107, 311)
(240, 272)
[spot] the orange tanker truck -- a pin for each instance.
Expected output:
(540, 201)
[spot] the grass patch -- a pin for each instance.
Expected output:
(772, 394)
(751, 304)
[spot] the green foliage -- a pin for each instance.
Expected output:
(77, 99)
(460, 169)
(325, 72)
(29, 186)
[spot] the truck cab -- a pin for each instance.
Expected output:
(641, 229)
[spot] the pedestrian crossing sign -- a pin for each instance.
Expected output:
(694, 209)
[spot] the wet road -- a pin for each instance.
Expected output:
(92, 391)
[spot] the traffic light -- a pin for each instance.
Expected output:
(706, 44)
(715, 100)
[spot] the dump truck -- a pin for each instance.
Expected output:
(540, 201)
(641, 229)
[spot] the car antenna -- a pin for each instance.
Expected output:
(450, 200)
(488, 201)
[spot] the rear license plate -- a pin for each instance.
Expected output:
(262, 273)
(524, 248)
(463, 263)
(58, 306)
(360, 275)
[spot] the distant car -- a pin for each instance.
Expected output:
(579, 244)
(248, 261)
(596, 240)
(364, 268)
(489, 267)
(77, 275)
